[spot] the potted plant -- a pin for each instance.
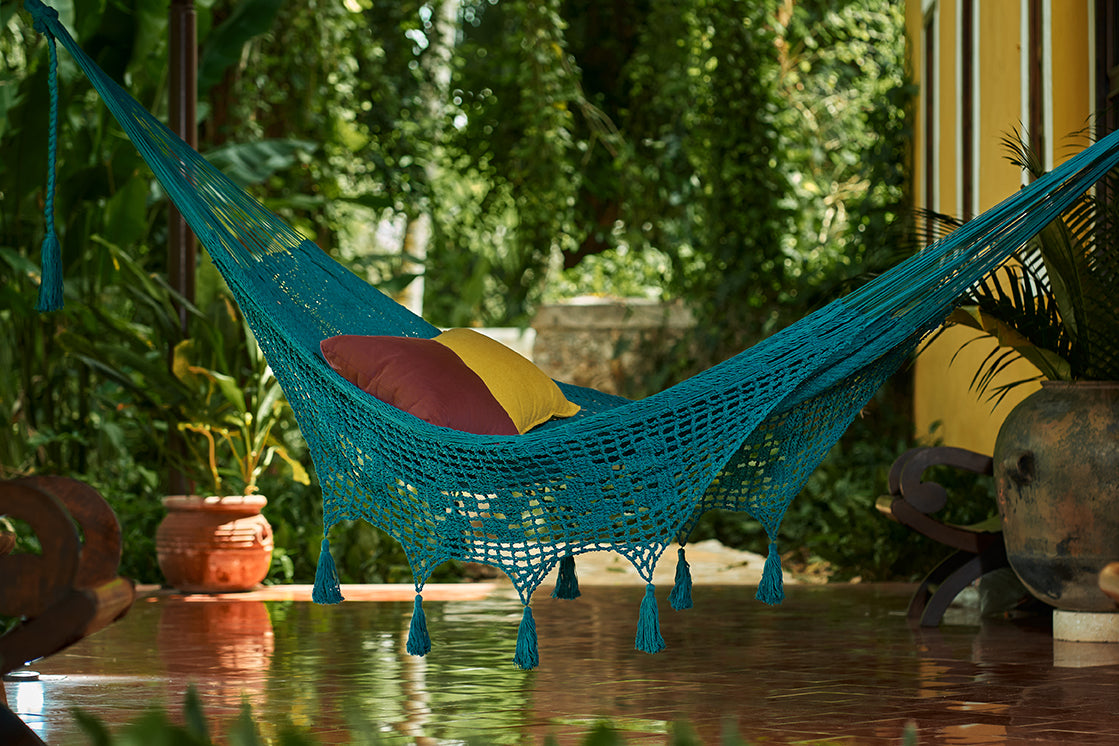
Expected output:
(217, 539)
(1056, 457)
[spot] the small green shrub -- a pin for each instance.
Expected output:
(155, 728)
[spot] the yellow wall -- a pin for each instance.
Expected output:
(948, 109)
(945, 368)
(999, 95)
(1072, 98)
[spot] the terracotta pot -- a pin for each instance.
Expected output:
(1056, 468)
(214, 544)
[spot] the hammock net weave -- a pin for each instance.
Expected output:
(624, 476)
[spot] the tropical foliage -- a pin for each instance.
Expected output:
(157, 728)
(90, 391)
(740, 156)
(234, 418)
(1055, 306)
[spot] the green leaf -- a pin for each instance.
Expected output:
(223, 46)
(396, 284)
(290, 736)
(298, 473)
(370, 200)
(252, 163)
(19, 263)
(1065, 262)
(268, 403)
(194, 716)
(93, 727)
(296, 202)
(603, 734)
(1051, 364)
(909, 734)
(9, 98)
(181, 360)
(154, 728)
(151, 31)
(244, 732)
(126, 217)
(229, 389)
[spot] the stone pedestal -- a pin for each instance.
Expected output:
(601, 342)
(1086, 626)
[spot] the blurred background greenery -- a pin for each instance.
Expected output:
(748, 159)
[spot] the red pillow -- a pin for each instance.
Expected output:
(420, 376)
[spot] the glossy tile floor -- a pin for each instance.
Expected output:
(834, 664)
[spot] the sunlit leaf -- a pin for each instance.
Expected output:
(252, 163)
(1054, 366)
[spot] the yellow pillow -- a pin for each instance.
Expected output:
(523, 390)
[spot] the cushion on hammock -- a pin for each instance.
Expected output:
(422, 377)
(526, 392)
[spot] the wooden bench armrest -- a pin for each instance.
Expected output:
(912, 501)
(71, 589)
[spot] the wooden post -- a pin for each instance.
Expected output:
(181, 244)
(181, 252)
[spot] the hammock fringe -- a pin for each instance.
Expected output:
(567, 584)
(527, 655)
(649, 638)
(771, 589)
(327, 589)
(419, 643)
(681, 596)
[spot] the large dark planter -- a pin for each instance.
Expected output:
(214, 544)
(1056, 467)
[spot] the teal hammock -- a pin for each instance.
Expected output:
(624, 476)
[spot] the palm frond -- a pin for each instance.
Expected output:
(1057, 303)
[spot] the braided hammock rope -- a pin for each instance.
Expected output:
(623, 476)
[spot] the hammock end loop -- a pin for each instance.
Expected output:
(771, 589)
(327, 589)
(567, 584)
(50, 289)
(419, 642)
(40, 14)
(649, 638)
(681, 596)
(527, 654)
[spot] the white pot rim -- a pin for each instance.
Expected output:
(214, 502)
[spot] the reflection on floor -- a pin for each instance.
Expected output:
(835, 663)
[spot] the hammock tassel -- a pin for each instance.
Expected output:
(419, 643)
(50, 287)
(649, 638)
(771, 589)
(527, 655)
(50, 257)
(567, 584)
(681, 596)
(327, 589)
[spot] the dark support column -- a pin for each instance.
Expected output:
(1107, 68)
(181, 250)
(181, 245)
